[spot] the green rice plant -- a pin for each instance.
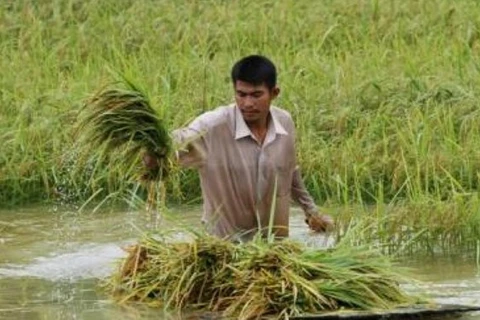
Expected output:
(426, 227)
(383, 94)
(255, 279)
(478, 256)
(116, 118)
(123, 119)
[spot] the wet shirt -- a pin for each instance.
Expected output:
(244, 183)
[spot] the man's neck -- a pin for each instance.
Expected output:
(259, 129)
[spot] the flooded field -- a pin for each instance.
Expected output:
(52, 262)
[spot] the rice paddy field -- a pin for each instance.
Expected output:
(383, 93)
(54, 261)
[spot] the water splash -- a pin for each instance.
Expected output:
(89, 261)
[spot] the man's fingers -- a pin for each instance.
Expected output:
(319, 223)
(150, 161)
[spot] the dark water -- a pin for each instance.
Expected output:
(52, 263)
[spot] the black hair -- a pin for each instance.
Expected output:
(255, 69)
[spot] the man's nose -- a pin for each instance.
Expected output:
(249, 101)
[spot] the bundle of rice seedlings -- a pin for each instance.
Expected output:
(123, 120)
(255, 279)
(117, 118)
(173, 274)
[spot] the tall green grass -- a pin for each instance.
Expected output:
(384, 93)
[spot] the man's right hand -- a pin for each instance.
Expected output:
(150, 161)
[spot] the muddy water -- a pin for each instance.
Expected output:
(51, 262)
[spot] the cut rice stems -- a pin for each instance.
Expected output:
(258, 278)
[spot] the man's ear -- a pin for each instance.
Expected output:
(275, 92)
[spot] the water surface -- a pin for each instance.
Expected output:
(51, 263)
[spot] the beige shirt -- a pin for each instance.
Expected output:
(243, 181)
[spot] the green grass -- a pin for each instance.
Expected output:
(384, 93)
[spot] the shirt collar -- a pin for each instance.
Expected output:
(242, 130)
(279, 129)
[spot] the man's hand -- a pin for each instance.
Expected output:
(319, 222)
(150, 161)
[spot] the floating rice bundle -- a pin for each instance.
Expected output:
(124, 120)
(255, 279)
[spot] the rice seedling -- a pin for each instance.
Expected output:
(124, 119)
(427, 227)
(116, 118)
(255, 279)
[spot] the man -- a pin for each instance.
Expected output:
(245, 155)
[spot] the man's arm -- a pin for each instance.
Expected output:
(316, 221)
(301, 195)
(191, 147)
(189, 144)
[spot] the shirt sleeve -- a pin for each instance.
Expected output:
(301, 195)
(299, 192)
(191, 143)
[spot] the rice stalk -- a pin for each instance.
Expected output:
(255, 279)
(123, 120)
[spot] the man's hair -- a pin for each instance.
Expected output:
(255, 69)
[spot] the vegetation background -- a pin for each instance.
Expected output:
(383, 93)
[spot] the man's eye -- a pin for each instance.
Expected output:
(257, 94)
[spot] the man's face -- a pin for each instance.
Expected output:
(254, 100)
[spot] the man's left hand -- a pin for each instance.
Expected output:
(320, 222)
